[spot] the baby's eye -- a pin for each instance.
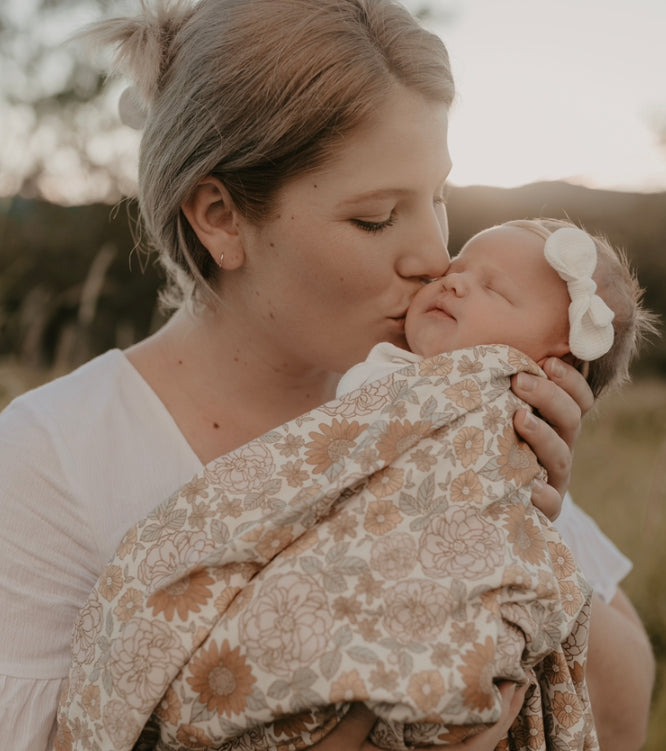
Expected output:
(374, 226)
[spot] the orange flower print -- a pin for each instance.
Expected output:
(426, 689)
(555, 668)
(477, 673)
(423, 458)
(467, 488)
(197, 487)
(290, 445)
(349, 687)
(169, 708)
(334, 442)
(346, 608)
(367, 628)
(91, 701)
(566, 708)
(469, 366)
(516, 461)
(442, 655)
(186, 595)
(293, 726)
(128, 604)
(64, 739)
(192, 737)
(294, 474)
(273, 541)
(380, 677)
(127, 543)
(468, 445)
(465, 394)
(525, 535)
(439, 365)
(400, 436)
(386, 482)
(492, 418)
(342, 524)
(221, 678)
(572, 597)
(562, 559)
(110, 582)
(381, 517)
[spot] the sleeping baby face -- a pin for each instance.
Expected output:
(498, 290)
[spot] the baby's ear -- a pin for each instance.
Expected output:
(213, 216)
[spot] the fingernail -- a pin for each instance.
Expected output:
(555, 367)
(526, 382)
(529, 421)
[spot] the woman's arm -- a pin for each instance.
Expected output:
(560, 402)
(620, 674)
(352, 732)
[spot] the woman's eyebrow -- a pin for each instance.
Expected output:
(375, 195)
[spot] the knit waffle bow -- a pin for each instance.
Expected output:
(573, 254)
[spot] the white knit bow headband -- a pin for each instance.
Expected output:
(573, 254)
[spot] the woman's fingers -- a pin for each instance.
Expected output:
(552, 403)
(350, 733)
(570, 380)
(552, 451)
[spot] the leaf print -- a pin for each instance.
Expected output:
(363, 655)
(330, 663)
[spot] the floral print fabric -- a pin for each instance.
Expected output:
(381, 548)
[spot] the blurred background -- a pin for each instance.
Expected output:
(561, 111)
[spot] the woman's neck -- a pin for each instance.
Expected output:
(220, 390)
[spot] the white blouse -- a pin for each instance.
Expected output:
(81, 460)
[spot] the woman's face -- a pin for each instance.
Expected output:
(334, 271)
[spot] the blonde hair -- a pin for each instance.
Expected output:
(618, 287)
(256, 92)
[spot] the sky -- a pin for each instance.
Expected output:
(557, 89)
(547, 90)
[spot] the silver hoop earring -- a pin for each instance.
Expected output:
(219, 263)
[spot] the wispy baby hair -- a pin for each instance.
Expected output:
(255, 92)
(618, 287)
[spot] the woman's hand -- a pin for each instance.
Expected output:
(560, 401)
(352, 731)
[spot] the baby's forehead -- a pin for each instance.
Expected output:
(503, 243)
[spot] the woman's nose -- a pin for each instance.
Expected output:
(429, 257)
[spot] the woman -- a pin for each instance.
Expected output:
(291, 176)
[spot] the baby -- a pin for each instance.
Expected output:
(543, 286)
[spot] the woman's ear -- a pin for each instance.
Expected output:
(215, 220)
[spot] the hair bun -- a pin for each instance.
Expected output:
(143, 51)
(132, 110)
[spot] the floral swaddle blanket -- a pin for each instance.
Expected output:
(381, 548)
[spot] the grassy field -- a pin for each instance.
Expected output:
(619, 478)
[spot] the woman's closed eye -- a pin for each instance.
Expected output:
(369, 226)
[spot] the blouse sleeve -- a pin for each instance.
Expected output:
(602, 563)
(27, 713)
(47, 566)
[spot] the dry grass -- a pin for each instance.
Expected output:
(619, 478)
